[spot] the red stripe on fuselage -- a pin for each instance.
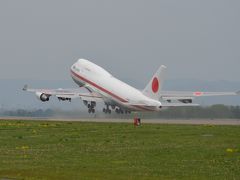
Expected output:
(98, 87)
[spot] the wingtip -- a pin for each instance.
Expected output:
(25, 87)
(163, 66)
(238, 92)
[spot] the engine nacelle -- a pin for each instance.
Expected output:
(186, 101)
(41, 96)
(64, 99)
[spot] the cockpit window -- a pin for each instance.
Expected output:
(75, 68)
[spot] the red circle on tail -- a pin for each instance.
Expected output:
(155, 85)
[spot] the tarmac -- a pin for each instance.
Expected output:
(235, 122)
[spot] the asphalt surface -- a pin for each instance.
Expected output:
(151, 121)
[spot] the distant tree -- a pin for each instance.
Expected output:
(215, 111)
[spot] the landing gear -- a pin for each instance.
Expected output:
(91, 110)
(90, 105)
(107, 110)
(64, 99)
(115, 108)
(120, 111)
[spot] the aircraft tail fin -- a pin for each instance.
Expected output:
(154, 87)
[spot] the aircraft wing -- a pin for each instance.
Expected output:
(66, 93)
(167, 105)
(176, 95)
(178, 104)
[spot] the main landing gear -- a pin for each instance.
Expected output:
(107, 110)
(90, 110)
(90, 105)
(118, 110)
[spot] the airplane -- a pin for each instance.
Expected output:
(117, 95)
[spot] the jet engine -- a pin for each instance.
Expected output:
(43, 97)
(186, 101)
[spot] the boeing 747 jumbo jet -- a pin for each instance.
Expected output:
(117, 95)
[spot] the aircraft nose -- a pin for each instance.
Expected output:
(73, 67)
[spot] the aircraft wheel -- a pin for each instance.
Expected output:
(93, 104)
(93, 110)
(109, 111)
(89, 111)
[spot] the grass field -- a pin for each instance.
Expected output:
(78, 150)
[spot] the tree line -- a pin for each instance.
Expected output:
(210, 112)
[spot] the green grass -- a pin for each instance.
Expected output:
(77, 150)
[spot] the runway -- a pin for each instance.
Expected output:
(144, 121)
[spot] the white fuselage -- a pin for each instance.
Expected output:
(114, 91)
